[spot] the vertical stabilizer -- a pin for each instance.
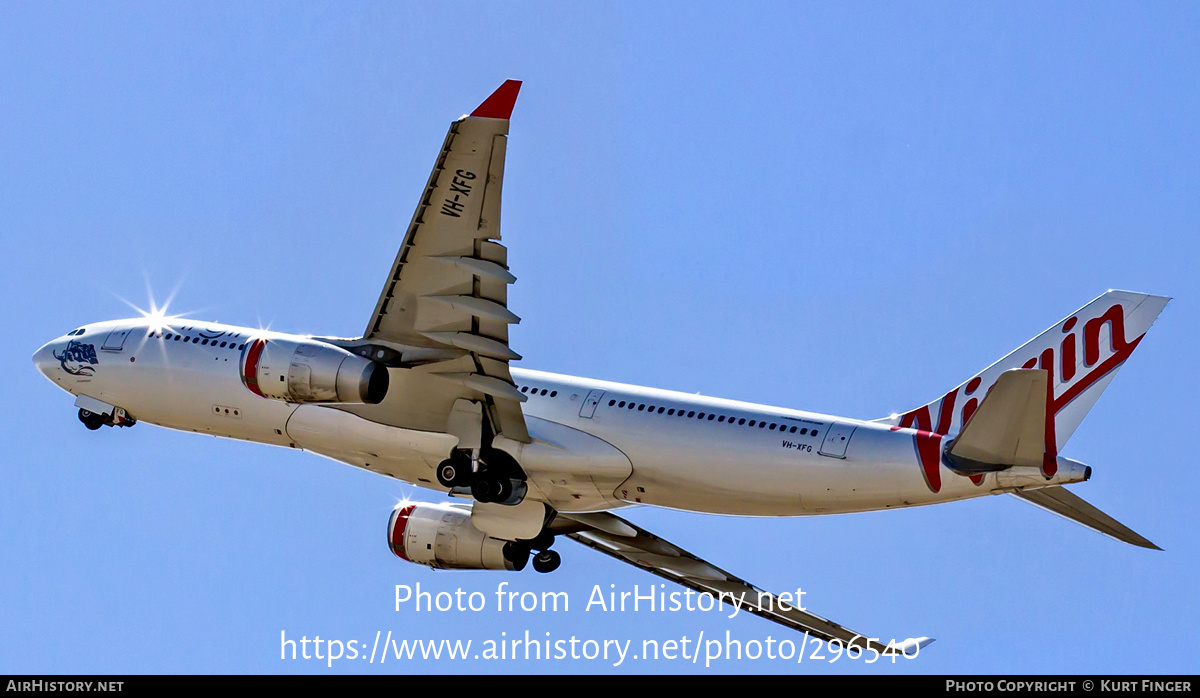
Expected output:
(1081, 354)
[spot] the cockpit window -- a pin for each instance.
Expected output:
(74, 333)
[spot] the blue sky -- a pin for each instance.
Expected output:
(845, 208)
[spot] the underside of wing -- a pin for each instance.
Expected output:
(441, 321)
(620, 539)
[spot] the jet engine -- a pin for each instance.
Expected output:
(309, 371)
(442, 537)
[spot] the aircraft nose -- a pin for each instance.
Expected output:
(44, 359)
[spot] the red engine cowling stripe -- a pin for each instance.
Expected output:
(396, 531)
(250, 366)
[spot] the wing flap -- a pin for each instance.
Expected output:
(1059, 500)
(489, 210)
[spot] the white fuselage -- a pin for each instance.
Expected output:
(597, 445)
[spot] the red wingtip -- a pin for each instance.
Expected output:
(500, 104)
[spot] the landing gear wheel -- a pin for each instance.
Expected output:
(542, 541)
(484, 490)
(546, 561)
(492, 490)
(90, 419)
(452, 473)
(504, 490)
(517, 554)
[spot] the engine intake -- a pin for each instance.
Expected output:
(441, 536)
(311, 371)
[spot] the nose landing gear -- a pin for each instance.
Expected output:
(91, 420)
(95, 420)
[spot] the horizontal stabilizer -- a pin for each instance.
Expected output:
(1065, 503)
(1008, 428)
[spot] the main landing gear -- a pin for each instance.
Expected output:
(493, 477)
(544, 560)
(95, 420)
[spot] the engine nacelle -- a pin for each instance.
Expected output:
(442, 537)
(311, 371)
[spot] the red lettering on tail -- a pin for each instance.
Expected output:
(928, 437)
(929, 451)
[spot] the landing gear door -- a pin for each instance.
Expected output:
(837, 438)
(115, 340)
(590, 403)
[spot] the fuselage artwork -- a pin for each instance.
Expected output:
(427, 395)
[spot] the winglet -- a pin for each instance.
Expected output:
(500, 104)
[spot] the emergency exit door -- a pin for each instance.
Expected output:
(837, 438)
(590, 403)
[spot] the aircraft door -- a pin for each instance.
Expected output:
(590, 403)
(115, 340)
(837, 438)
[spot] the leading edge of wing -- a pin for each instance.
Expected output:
(612, 536)
(501, 102)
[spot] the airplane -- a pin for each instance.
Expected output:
(428, 395)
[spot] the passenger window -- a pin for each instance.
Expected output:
(553, 393)
(691, 414)
(741, 421)
(611, 403)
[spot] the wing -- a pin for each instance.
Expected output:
(443, 308)
(618, 538)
